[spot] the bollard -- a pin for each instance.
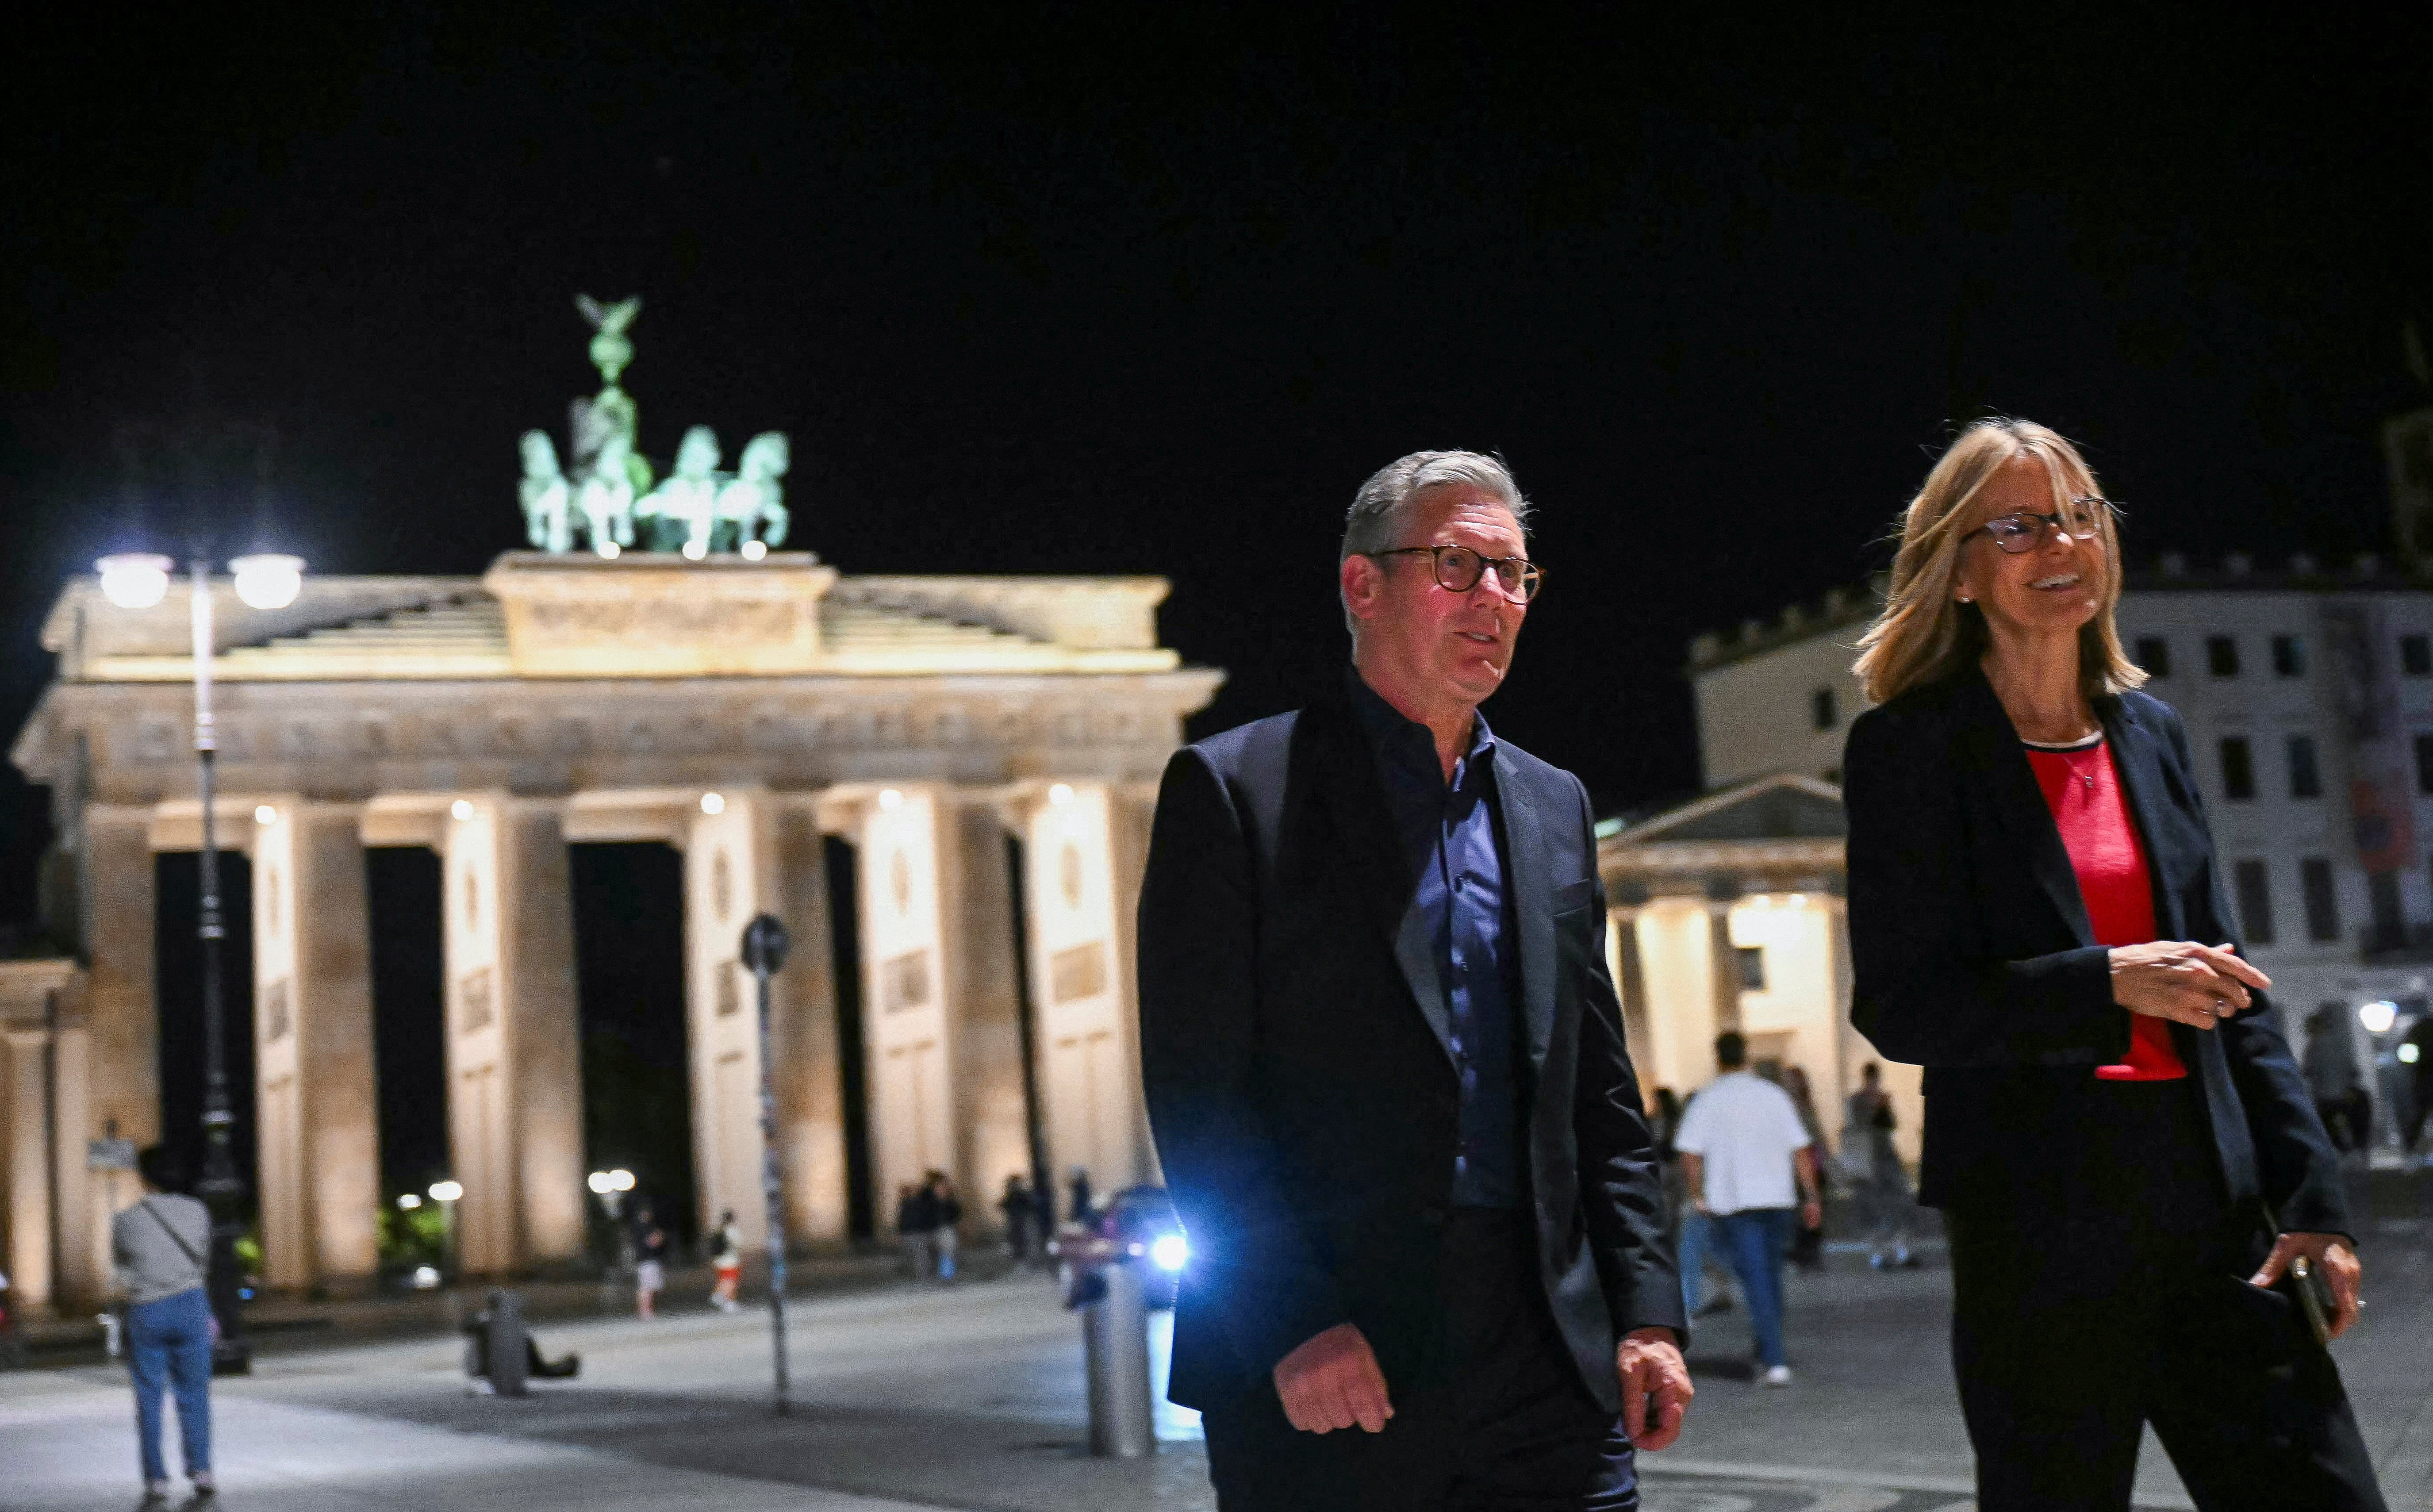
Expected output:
(503, 1346)
(1114, 1336)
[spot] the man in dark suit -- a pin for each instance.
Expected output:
(1385, 1068)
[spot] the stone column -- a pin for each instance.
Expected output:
(1086, 1035)
(905, 845)
(515, 1107)
(26, 1237)
(759, 855)
(316, 1110)
(1630, 986)
(84, 1245)
(803, 1035)
(1675, 941)
(992, 1110)
(122, 1082)
(1724, 963)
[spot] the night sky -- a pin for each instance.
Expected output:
(1150, 289)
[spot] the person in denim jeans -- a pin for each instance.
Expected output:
(1743, 1148)
(160, 1247)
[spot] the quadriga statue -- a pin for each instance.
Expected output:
(753, 503)
(680, 512)
(547, 521)
(606, 494)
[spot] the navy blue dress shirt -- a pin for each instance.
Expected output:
(1448, 830)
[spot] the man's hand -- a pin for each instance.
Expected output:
(2332, 1259)
(1331, 1381)
(1656, 1387)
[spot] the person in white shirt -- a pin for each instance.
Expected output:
(1743, 1145)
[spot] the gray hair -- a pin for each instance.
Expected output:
(1376, 513)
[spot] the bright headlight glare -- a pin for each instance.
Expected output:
(134, 580)
(1169, 1251)
(267, 580)
(2377, 1017)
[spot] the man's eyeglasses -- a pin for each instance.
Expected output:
(2026, 530)
(1458, 569)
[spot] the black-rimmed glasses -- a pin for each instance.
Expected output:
(1459, 568)
(2025, 530)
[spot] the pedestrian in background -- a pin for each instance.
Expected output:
(1021, 1209)
(915, 1220)
(1743, 1150)
(158, 1247)
(726, 1258)
(1808, 1243)
(945, 1215)
(1077, 1192)
(2332, 1078)
(1874, 1165)
(650, 1261)
(2126, 1156)
(2416, 1053)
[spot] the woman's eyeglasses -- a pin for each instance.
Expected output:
(2026, 530)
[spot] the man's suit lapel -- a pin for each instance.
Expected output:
(1381, 876)
(1532, 885)
(1993, 749)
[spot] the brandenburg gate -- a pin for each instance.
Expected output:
(741, 708)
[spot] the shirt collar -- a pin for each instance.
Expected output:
(1404, 743)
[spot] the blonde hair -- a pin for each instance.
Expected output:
(1924, 633)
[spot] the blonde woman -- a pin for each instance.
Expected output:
(2116, 1131)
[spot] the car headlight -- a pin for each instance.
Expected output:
(1169, 1252)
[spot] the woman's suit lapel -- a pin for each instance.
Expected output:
(1991, 745)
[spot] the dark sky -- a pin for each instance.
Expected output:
(1150, 289)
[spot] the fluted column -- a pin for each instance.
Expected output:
(1724, 964)
(25, 1236)
(1086, 1041)
(904, 845)
(514, 1111)
(1630, 985)
(803, 1035)
(317, 1130)
(992, 1105)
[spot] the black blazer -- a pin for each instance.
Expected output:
(1973, 956)
(1303, 1101)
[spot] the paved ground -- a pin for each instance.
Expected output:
(972, 1400)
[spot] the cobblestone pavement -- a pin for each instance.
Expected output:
(971, 1398)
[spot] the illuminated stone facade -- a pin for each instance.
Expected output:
(741, 711)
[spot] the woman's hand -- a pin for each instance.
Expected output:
(2333, 1260)
(2182, 982)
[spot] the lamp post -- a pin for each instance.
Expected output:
(139, 580)
(764, 953)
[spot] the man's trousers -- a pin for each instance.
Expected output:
(1503, 1425)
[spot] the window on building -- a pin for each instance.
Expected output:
(1822, 710)
(1752, 959)
(2221, 656)
(2416, 655)
(2322, 904)
(2288, 656)
(2155, 654)
(2238, 767)
(2254, 887)
(2389, 922)
(2305, 779)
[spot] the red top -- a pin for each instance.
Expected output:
(2084, 793)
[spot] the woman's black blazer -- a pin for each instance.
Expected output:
(1973, 958)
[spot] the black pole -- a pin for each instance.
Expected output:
(764, 953)
(221, 1189)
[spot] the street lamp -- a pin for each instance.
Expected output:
(264, 580)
